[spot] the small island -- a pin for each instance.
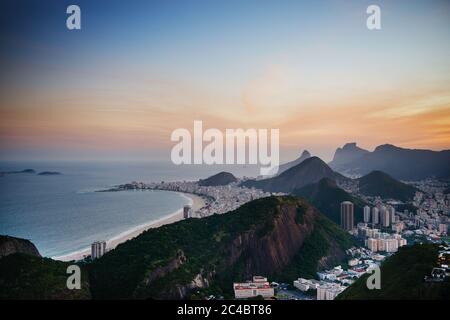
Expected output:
(49, 173)
(31, 171)
(17, 172)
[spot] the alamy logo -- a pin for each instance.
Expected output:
(374, 280)
(235, 147)
(74, 280)
(374, 20)
(73, 21)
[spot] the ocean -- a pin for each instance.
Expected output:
(62, 214)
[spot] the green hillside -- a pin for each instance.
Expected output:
(327, 197)
(402, 277)
(378, 183)
(24, 276)
(273, 236)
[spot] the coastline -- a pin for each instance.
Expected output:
(196, 202)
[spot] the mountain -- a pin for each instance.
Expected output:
(220, 179)
(349, 153)
(28, 277)
(378, 183)
(305, 155)
(400, 163)
(24, 274)
(309, 171)
(279, 237)
(10, 245)
(326, 196)
(402, 278)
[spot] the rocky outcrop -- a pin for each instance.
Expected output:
(160, 272)
(269, 253)
(178, 261)
(349, 153)
(10, 245)
(400, 163)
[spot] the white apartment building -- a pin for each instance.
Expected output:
(306, 284)
(372, 244)
(329, 291)
(366, 214)
(259, 287)
(391, 245)
(98, 248)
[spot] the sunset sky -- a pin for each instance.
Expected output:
(137, 70)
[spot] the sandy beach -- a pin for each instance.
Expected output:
(196, 202)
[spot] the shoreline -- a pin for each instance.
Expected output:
(196, 202)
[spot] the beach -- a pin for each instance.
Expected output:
(196, 202)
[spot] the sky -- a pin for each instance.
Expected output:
(137, 70)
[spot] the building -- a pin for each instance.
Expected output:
(391, 245)
(372, 244)
(301, 284)
(381, 244)
(98, 248)
(306, 284)
(259, 287)
(329, 291)
(347, 215)
(401, 242)
(398, 227)
(373, 233)
(391, 211)
(366, 214)
(384, 216)
(375, 216)
(187, 212)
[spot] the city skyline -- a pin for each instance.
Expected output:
(119, 86)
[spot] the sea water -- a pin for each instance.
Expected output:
(62, 214)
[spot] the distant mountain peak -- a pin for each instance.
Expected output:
(387, 147)
(347, 154)
(400, 163)
(350, 145)
(314, 160)
(304, 155)
(309, 171)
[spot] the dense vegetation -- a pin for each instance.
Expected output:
(119, 273)
(402, 277)
(24, 276)
(327, 197)
(205, 244)
(378, 183)
(192, 258)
